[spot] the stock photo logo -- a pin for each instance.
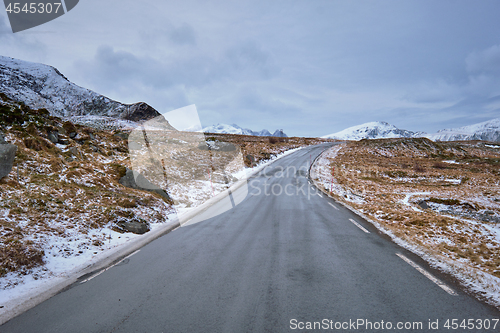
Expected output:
(173, 154)
(25, 15)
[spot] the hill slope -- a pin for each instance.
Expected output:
(41, 86)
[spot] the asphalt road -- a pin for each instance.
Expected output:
(273, 263)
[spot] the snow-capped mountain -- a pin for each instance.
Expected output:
(41, 86)
(372, 130)
(279, 134)
(488, 131)
(235, 129)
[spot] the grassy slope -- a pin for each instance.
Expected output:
(63, 192)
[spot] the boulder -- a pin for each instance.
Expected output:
(123, 136)
(423, 204)
(216, 146)
(225, 146)
(250, 160)
(135, 180)
(2, 138)
(53, 137)
(135, 227)
(7, 155)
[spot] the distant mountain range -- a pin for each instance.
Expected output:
(373, 130)
(41, 86)
(235, 129)
(488, 131)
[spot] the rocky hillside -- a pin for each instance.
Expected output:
(41, 86)
(66, 193)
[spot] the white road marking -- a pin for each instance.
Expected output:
(333, 205)
(428, 275)
(359, 226)
(104, 270)
(130, 255)
(320, 195)
(93, 276)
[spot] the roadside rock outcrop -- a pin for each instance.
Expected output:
(7, 155)
(135, 180)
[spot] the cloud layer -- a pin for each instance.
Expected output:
(310, 68)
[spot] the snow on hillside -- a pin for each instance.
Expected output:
(41, 86)
(235, 129)
(372, 130)
(488, 131)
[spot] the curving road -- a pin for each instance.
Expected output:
(272, 264)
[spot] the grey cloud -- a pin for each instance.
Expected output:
(486, 61)
(484, 72)
(250, 57)
(312, 67)
(258, 100)
(471, 98)
(114, 68)
(19, 44)
(183, 35)
(5, 29)
(433, 92)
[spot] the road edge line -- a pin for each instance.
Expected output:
(359, 226)
(428, 275)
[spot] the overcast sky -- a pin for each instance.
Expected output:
(309, 67)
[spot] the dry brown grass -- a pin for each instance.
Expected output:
(262, 147)
(59, 192)
(19, 256)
